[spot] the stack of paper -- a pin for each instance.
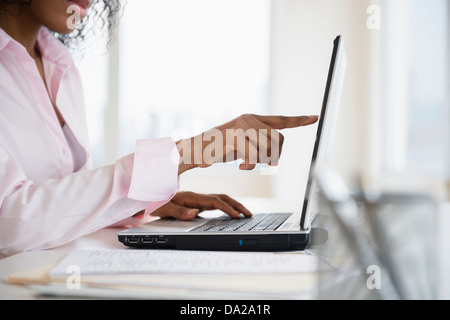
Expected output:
(176, 274)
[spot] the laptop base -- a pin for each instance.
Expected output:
(220, 242)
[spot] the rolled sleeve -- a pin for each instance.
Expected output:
(155, 170)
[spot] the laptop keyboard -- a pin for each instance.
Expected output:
(259, 222)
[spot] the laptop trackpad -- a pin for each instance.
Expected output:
(170, 225)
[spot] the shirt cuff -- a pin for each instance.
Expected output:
(155, 170)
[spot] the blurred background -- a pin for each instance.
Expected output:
(177, 68)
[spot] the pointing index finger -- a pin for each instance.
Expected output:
(283, 122)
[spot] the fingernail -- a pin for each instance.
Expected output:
(192, 212)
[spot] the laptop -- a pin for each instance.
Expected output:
(261, 232)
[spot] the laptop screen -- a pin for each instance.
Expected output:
(325, 129)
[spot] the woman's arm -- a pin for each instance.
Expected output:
(53, 212)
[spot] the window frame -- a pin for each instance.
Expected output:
(376, 175)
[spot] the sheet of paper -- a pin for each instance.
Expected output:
(127, 261)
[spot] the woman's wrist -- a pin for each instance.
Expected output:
(186, 155)
(182, 167)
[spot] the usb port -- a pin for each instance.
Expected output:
(133, 240)
(147, 240)
(161, 240)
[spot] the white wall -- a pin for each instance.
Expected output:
(302, 35)
(301, 41)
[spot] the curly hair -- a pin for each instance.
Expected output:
(99, 22)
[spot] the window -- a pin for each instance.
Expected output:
(175, 69)
(416, 88)
(94, 71)
(186, 66)
(182, 67)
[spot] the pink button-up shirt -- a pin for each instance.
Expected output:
(48, 196)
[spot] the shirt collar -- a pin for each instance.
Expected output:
(4, 39)
(51, 49)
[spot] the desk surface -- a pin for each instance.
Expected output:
(102, 239)
(107, 239)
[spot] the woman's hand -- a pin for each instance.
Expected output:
(187, 205)
(252, 138)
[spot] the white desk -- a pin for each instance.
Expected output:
(107, 239)
(102, 239)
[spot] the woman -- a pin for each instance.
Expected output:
(48, 196)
